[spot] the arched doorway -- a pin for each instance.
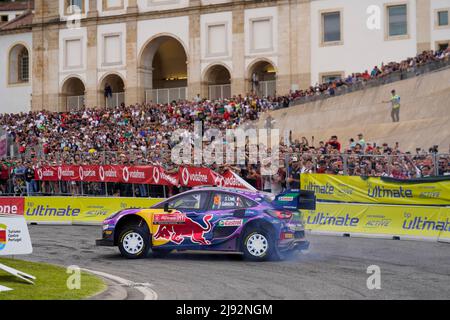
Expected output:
(72, 94)
(163, 70)
(262, 75)
(18, 64)
(218, 80)
(112, 91)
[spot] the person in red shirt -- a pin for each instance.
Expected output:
(4, 176)
(22, 149)
(366, 75)
(333, 142)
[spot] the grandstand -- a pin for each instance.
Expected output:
(424, 115)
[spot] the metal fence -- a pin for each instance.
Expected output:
(219, 91)
(115, 100)
(375, 82)
(266, 88)
(74, 103)
(406, 166)
(165, 95)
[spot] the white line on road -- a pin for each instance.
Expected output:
(149, 294)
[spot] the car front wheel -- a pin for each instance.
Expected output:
(134, 242)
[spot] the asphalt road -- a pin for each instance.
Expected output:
(333, 268)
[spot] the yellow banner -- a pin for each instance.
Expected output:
(83, 209)
(374, 190)
(415, 221)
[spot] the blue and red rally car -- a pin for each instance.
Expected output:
(257, 224)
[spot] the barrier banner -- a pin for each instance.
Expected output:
(416, 221)
(12, 205)
(79, 209)
(161, 177)
(198, 176)
(230, 179)
(14, 236)
(156, 175)
(377, 191)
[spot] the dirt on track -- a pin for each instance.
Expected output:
(333, 268)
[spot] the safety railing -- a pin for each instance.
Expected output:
(402, 166)
(115, 100)
(219, 91)
(165, 95)
(266, 88)
(74, 103)
(138, 157)
(375, 82)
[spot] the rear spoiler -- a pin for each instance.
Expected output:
(295, 199)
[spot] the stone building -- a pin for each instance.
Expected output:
(62, 54)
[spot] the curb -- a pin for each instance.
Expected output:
(113, 291)
(122, 289)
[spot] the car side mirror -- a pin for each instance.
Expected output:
(166, 207)
(306, 200)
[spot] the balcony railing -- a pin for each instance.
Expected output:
(115, 100)
(219, 91)
(74, 103)
(165, 95)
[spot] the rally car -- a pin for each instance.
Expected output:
(257, 224)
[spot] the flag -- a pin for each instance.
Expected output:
(3, 146)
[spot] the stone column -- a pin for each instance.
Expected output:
(91, 90)
(51, 69)
(133, 92)
(302, 32)
(284, 48)
(132, 6)
(37, 60)
(45, 57)
(423, 25)
(194, 54)
(238, 75)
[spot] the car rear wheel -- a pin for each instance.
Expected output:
(257, 245)
(134, 242)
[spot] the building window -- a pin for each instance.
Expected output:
(76, 3)
(73, 57)
(331, 27)
(23, 66)
(18, 65)
(216, 44)
(443, 18)
(397, 20)
(113, 5)
(261, 34)
(331, 77)
(112, 49)
(441, 46)
(4, 18)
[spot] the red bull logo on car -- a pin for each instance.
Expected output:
(177, 233)
(3, 239)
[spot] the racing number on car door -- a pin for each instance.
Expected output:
(229, 208)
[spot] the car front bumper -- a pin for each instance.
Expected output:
(104, 242)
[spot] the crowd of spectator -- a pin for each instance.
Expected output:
(410, 64)
(141, 134)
